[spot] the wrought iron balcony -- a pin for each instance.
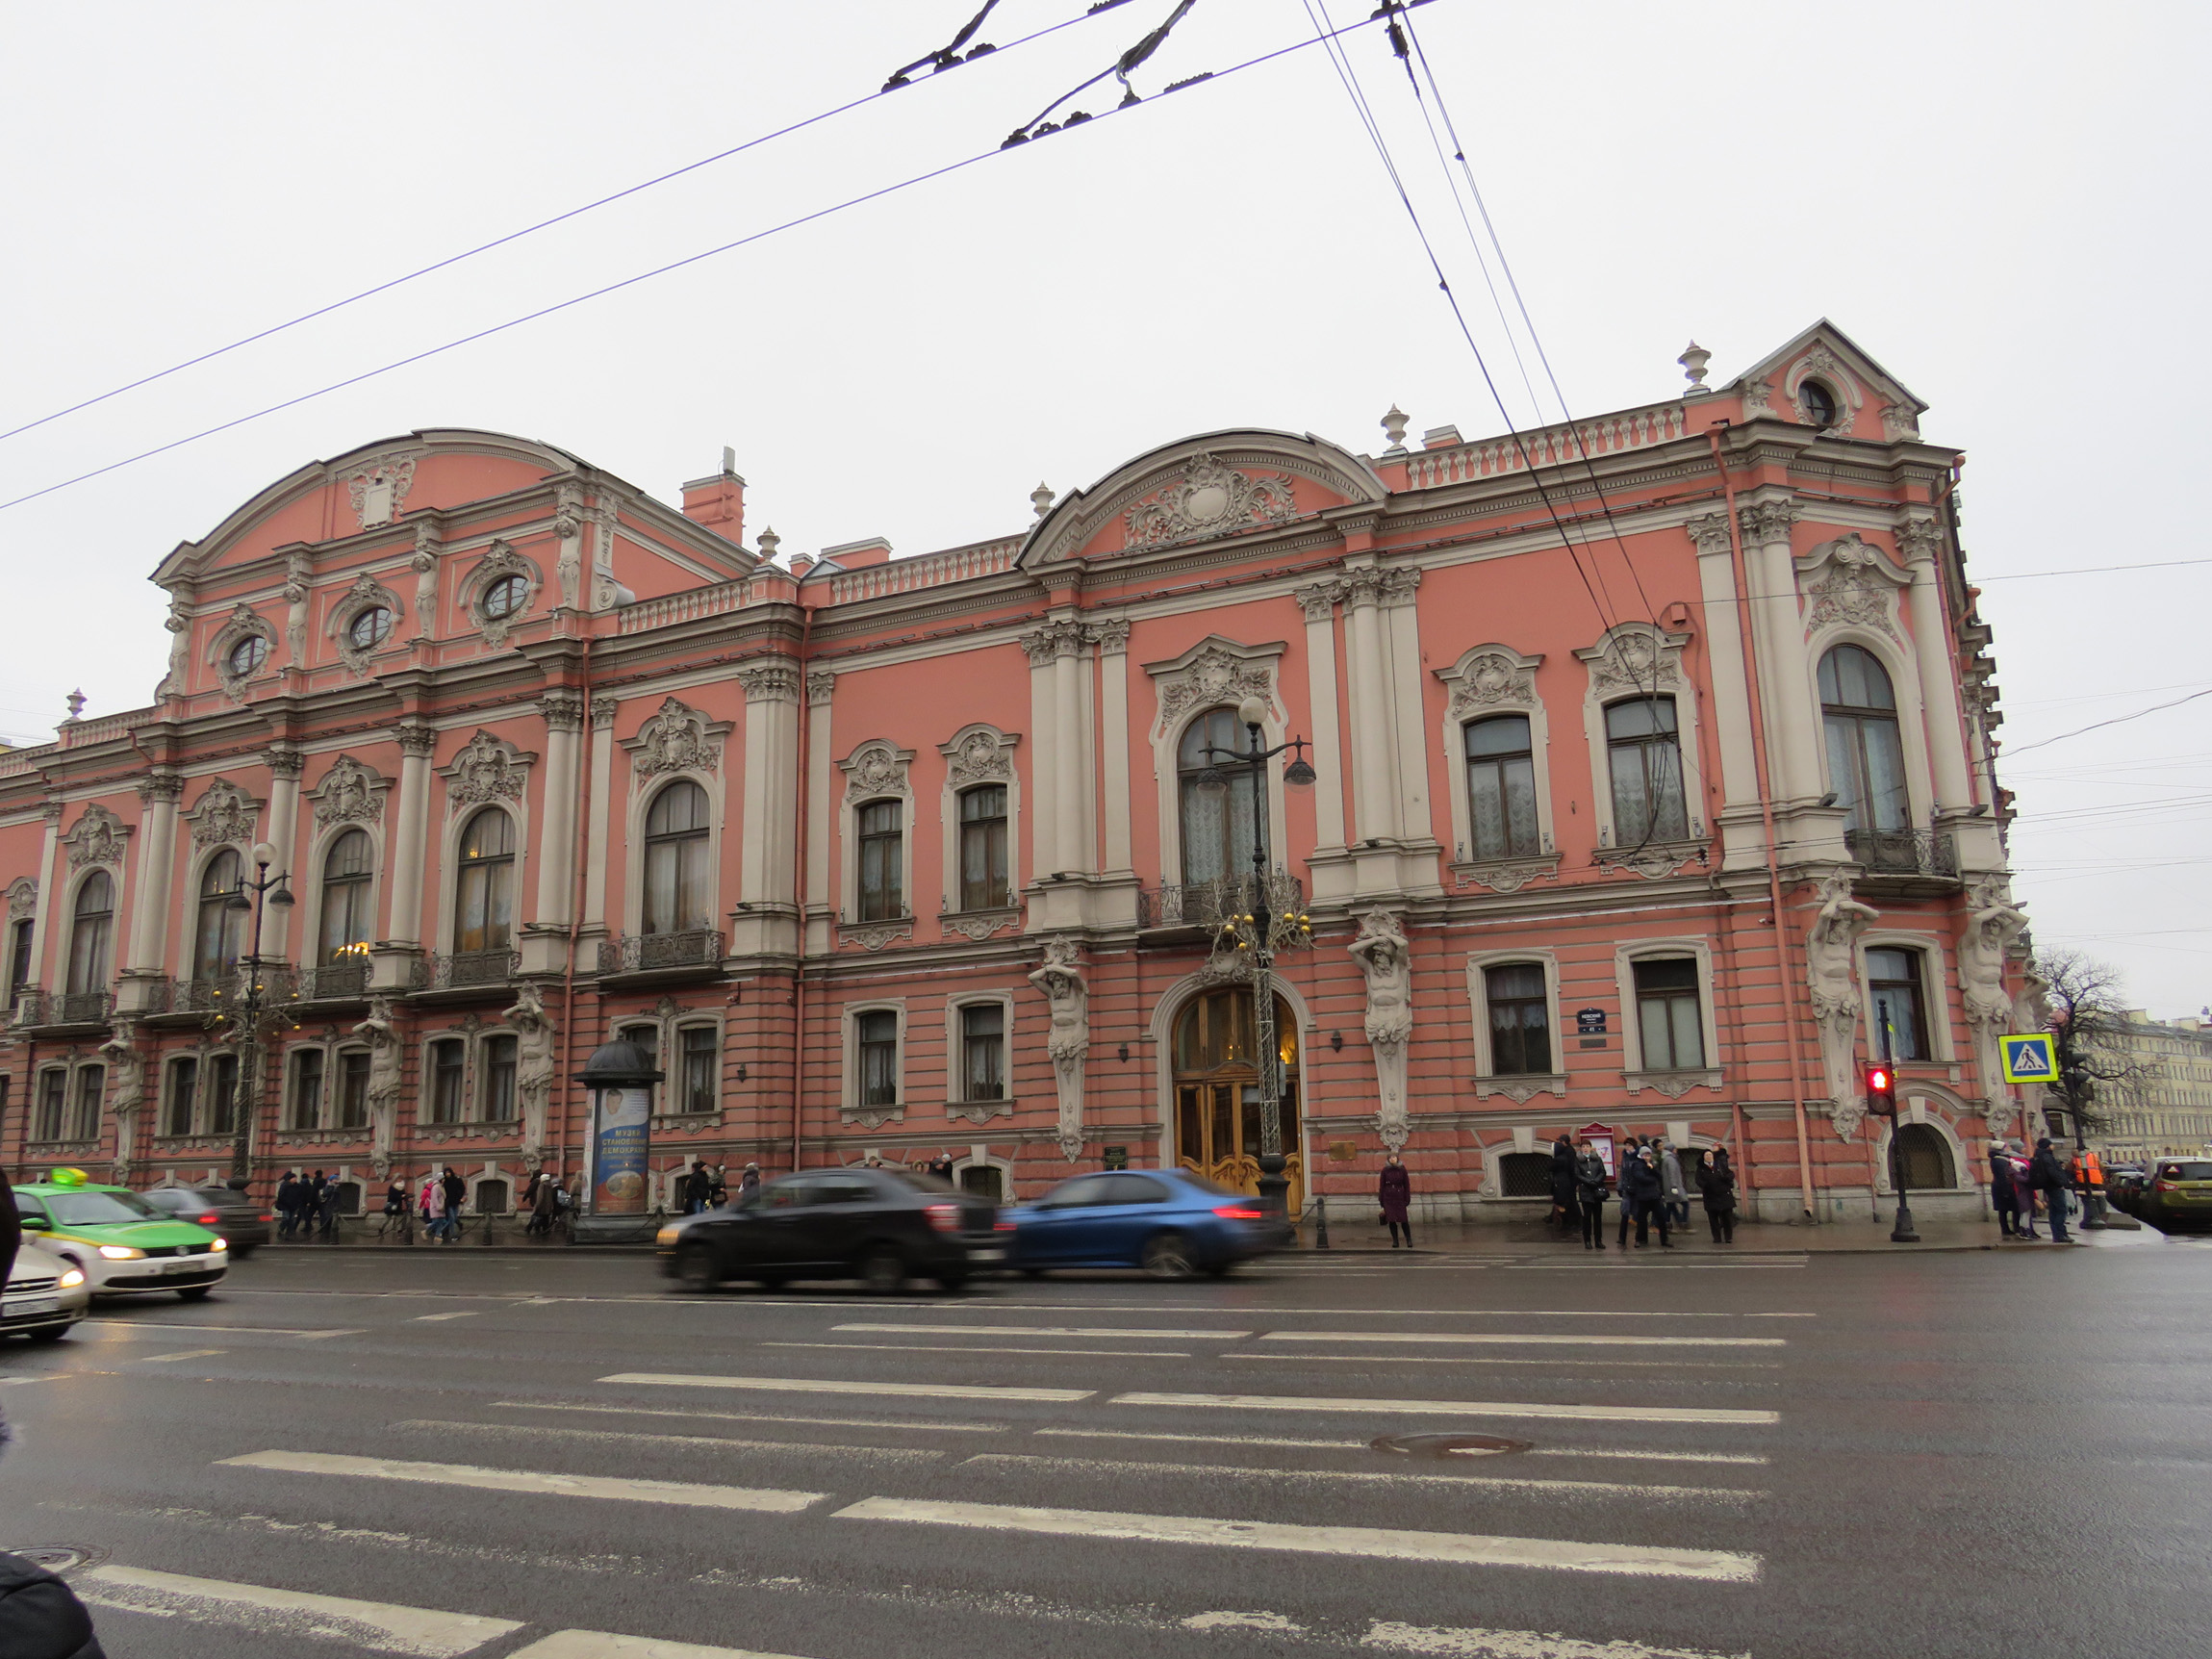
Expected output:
(459, 970)
(42, 1010)
(1903, 851)
(694, 948)
(1207, 905)
(335, 982)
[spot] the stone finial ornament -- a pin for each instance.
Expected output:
(76, 702)
(1693, 362)
(1042, 498)
(770, 541)
(1394, 429)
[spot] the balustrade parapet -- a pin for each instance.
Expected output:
(656, 952)
(462, 970)
(1904, 851)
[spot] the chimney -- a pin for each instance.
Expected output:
(718, 503)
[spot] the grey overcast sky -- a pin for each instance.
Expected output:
(2003, 202)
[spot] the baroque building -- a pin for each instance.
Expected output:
(1653, 790)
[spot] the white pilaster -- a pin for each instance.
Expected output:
(284, 767)
(1320, 605)
(40, 928)
(602, 763)
(562, 712)
(411, 844)
(151, 891)
(1374, 786)
(1402, 626)
(1918, 541)
(1113, 730)
(820, 878)
(1792, 735)
(1044, 759)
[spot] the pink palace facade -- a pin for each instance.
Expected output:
(917, 856)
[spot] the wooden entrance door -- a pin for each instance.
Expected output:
(1217, 1136)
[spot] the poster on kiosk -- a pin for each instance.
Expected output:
(620, 1143)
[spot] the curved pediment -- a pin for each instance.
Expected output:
(1200, 489)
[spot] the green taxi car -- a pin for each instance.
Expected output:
(124, 1245)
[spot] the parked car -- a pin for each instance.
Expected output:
(237, 1216)
(2124, 1186)
(2178, 1195)
(121, 1244)
(879, 1226)
(1169, 1223)
(44, 1296)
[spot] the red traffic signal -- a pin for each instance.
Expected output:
(1881, 1089)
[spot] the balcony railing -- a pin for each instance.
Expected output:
(335, 982)
(1208, 903)
(655, 952)
(37, 1008)
(1903, 851)
(458, 970)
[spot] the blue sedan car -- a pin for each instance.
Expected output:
(1169, 1223)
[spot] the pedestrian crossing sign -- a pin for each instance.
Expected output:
(2029, 1058)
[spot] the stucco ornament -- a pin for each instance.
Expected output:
(22, 898)
(381, 1035)
(1992, 926)
(97, 839)
(485, 771)
(1832, 971)
(1215, 675)
(500, 562)
(1386, 959)
(225, 816)
(1858, 589)
(876, 769)
(1068, 1042)
(126, 1071)
(676, 740)
(1209, 500)
(535, 1046)
(1635, 659)
(351, 793)
(297, 571)
(379, 489)
(367, 594)
(979, 756)
(569, 530)
(1493, 680)
(179, 622)
(243, 624)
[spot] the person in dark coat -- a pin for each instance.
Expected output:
(1563, 1211)
(1640, 1185)
(696, 1187)
(1628, 1156)
(1718, 1182)
(2005, 1194)
(10, 1227)
(2046, 1175)
(1394, 1192)
(40, 1616)
(288, 1204)
(1589, 1178)
(456, 1192)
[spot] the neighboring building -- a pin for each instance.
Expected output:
(2169, 1114)
(547, 761)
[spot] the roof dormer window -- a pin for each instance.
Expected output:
(1817, 404)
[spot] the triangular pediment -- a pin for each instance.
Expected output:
(1873, 402)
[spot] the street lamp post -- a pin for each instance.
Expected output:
(1259, 916)
(244, 1092)
(1904, 1231)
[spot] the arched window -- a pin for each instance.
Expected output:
(677, 887)
(1866, 758)
(1217, 816)
(505, 597)
(1501, 789)
(983, 881)
(484, 907)
(369, 629)
(1923, 1156)
(92, 931)
(882, 861)
(1816, 404)
(1644, 752)
(219, 939)
(348, 879)
(247, 655)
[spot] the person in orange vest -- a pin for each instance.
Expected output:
(2089, 1182)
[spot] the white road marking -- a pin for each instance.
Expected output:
(1164, 1334)
(468, 1314)
(1203, 1440)
(1514, 1339)
(933, 1424)
(1368, 1477)
(967, 1348)
(1457, 1407)
(1655, 1455)
(828, 1385)
(18, 1381)
(697, 1496)
(1550, 1362)
(137, 1328)
(598, 1644)
(895, 1454)
(1240, 1622)
(1469, 1550)
(1642, 1266)
(378, 1626)
(188, 1354)
(1472, 1643)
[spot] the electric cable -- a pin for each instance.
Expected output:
(616, 287)
(1036, 126)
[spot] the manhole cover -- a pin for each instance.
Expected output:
(1450, 1445)
(62, 1558)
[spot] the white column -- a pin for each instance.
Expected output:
(44, 914)
(1723, 637)
(1918, 541)
(410, 849)
(151, 891)
(1069, 754)
(1320, 605)
(1793, 736)
(562, 712)
(768, 865)
(603, 762)
(284, 769)
(1044, 757)
(1113, 733)
(1373, 786)
(820, 878)
(1402, 623)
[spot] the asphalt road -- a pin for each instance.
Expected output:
(1985, 1453)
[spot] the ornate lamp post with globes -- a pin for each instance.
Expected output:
(244, 1087)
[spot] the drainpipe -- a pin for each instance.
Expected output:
(799, 877)
(1767, 820)
(583, 846)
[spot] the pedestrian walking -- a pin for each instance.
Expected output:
(941, 1166)
(2046, 1175)
(456, 1192)
(1589, 1178)
(750, 1182)
(717, 1193)
(1671, 1184)
(288, 1204)
(1716, 1182)
(544, 1206)
(2022, 1191)
(1629, 1155)
(1565, 1214)
(1642, 1182)
(528, 1202)
(433, 1210)
(696, 1187)
(1394, 1192)
(2005, 1193)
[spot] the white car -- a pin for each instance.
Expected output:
(44, 1296)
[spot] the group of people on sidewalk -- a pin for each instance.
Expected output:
(306, 1205)
(1650, 1186)
(2018, 1181)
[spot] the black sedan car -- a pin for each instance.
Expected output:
(879, 1226)
(235, 1215)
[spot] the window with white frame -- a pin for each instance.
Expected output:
(348, 887)
(880, 826)
(983, 865)
(1866, 752)
(305, 1105)
(500, 1058)
(484, 898)
(222, 1094)
(1671, 1016)
(647, 1037)
(91, 933)
(1501, 789)
(1519, 1005)
(91, 1083)
(448, 1079)
(52, 1106)
(678, 883)
(698, 1069)
(352, 1088)
(1894, 989)
(1216, 805)
(876, 1057)
(1643, 758)
(982, 1053)
(180, 1093)
(19, 937)
(220, 939)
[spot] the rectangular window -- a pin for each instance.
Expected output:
(500, 1080)
(702, 1069)
(53, 1101)
(1894, 986)
(983, 1051)
(20, 961)
(85, 1116)
(1667, 1015)
(307, 1089)
(177, 1107)
(647, 1037)
(1520, 1019)
(1501, 789)
(448, 1068)
(882, 873)
(353, 1088)
(222, 1094)
(877, 1035)
(984, 879)
(1646, 758)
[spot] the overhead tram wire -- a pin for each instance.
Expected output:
(616, 287)
(1036, 126)
(945, 57)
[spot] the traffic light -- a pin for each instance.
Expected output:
(1881, 1089)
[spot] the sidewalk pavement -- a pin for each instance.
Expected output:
(1859, 1236)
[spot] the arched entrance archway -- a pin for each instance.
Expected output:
(1216, 1128)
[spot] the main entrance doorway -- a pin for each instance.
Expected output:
(1217, 1108)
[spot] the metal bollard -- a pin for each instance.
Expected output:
(1320, 1222)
